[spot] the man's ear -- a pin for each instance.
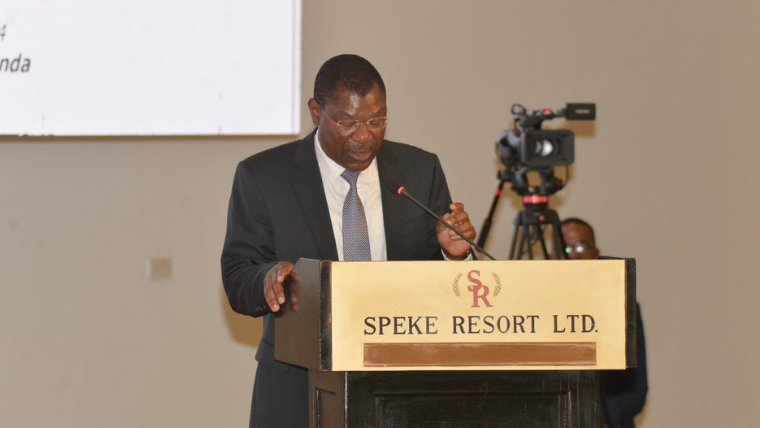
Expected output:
(314, 111)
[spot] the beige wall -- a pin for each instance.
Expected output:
(667, 175)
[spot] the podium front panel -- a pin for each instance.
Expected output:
(513, 315)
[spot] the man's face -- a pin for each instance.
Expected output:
(352, 150)
(580, 240)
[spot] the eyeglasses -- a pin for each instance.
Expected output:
(580, 247)
(349, 126)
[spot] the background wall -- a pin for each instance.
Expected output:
(666, 174)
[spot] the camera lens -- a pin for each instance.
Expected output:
(544, 148)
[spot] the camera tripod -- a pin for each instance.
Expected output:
(530, 225)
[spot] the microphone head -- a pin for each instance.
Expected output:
(394, 185)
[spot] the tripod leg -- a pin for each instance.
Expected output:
(559, 241)
(543, 242)
(512, 254)
(529, 239)
(488, 221)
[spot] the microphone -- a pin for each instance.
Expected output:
(396, 187)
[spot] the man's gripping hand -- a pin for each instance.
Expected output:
(274, 284)
(452, 244)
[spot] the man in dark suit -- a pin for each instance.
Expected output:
(286, 204)
(624, 392)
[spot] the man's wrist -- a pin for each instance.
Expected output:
(467, 256)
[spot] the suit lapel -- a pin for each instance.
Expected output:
(308, 188)
(393, 207)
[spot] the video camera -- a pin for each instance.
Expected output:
(529, 148)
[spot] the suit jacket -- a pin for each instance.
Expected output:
(278, 211)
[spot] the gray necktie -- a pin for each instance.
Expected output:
(355, 235)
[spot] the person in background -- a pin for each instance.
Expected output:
(623, 391)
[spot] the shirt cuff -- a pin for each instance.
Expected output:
(466, 259)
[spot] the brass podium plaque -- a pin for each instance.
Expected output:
(515, 315)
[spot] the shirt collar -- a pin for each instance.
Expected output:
(334, 170)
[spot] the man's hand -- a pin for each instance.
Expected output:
(452, 244)
(274, 284)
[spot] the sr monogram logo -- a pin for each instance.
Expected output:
(479, 290)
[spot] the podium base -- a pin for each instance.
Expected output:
(454, 399)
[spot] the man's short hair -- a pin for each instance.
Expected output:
(580, 221)
(345, 72)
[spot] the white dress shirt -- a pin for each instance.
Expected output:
(368, 187)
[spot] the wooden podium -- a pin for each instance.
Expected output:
(458, 344)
